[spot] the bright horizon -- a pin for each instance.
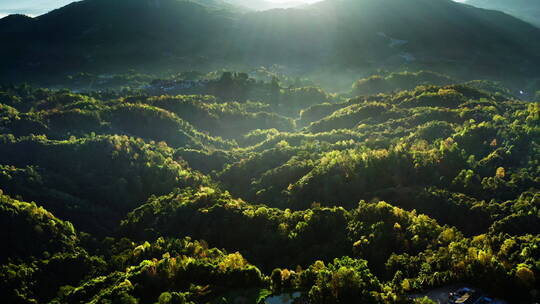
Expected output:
(38, 7)
(30, 7)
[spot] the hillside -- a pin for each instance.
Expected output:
(256, 152)
(352, 198)
(97, 35)
(528, 10)
(100, 32)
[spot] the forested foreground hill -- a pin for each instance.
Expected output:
(132, 197)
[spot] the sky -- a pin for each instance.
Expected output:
(30, 7)
(38, 7)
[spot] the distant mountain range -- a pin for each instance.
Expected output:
(103, 35)
(261, 5)
(30, 7)
(528, 10)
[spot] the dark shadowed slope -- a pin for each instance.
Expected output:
(100, 35)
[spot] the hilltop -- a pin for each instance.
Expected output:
(347, 199)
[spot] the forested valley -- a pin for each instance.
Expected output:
(223, 152)
(133, 197)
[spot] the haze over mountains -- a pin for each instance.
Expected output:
(528, 10)
(29, 7)
(100, 35)
(260, 5)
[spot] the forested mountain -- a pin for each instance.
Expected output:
(233, 151)
(99, 35)
(528, 10)
(408, 184)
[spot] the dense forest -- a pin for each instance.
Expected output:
(130, 196)
(262, 152)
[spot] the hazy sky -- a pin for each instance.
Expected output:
(38, 7)
(30, 7)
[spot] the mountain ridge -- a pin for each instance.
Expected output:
(528, 10)
(357, 34)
